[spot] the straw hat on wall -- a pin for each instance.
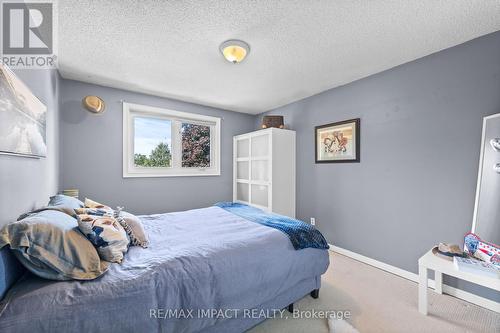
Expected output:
(93, 104)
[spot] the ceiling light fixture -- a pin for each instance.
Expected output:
(234, 50)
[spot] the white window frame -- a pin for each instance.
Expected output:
(130, 111)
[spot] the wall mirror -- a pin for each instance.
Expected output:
(486, 220)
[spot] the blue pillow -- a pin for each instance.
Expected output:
(49, 244)
(61, 200)
(10, 270)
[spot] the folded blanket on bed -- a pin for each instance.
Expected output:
(302, 235)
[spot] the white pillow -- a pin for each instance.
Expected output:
(134, 228)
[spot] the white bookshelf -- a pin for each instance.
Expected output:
(264, 170)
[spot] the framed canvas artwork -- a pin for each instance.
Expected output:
(338, 142)
(22, 118)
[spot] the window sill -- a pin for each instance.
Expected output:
(149, 175)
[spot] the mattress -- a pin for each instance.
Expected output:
(198, 261)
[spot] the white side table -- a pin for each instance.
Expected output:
(442, 266)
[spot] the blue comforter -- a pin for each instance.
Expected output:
(200, 259)
(302, 235)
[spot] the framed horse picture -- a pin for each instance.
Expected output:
(338, 142)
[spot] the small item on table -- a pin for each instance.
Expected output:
(448, 251)
(482, 250)
(476, 266)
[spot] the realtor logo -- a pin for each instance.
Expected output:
(28, 34)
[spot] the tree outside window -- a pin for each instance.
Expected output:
(195, 146)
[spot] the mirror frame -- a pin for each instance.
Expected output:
(480, 170)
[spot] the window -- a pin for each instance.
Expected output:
(164, 143)
(152, 142)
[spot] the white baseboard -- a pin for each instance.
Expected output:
(452, 291)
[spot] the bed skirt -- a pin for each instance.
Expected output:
(285, 298)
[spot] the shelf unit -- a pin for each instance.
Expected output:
(264, 170)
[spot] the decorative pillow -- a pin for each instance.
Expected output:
(50, 245)
(134, 228)
(94, 204)
(131, 223)
(61, 200)
(107, 235)
(94, 211)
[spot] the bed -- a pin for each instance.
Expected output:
(197, 260)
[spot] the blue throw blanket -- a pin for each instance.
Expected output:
(302, 235)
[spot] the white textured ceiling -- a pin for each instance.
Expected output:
(298, 48)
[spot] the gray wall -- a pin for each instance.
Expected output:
(91, 154)
(420, 143)
(26, 183)
(414, 187)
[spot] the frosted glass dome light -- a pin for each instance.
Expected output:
(234, 50)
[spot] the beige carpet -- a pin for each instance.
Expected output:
(382, 302)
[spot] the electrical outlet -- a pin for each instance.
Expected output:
(313, 221)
